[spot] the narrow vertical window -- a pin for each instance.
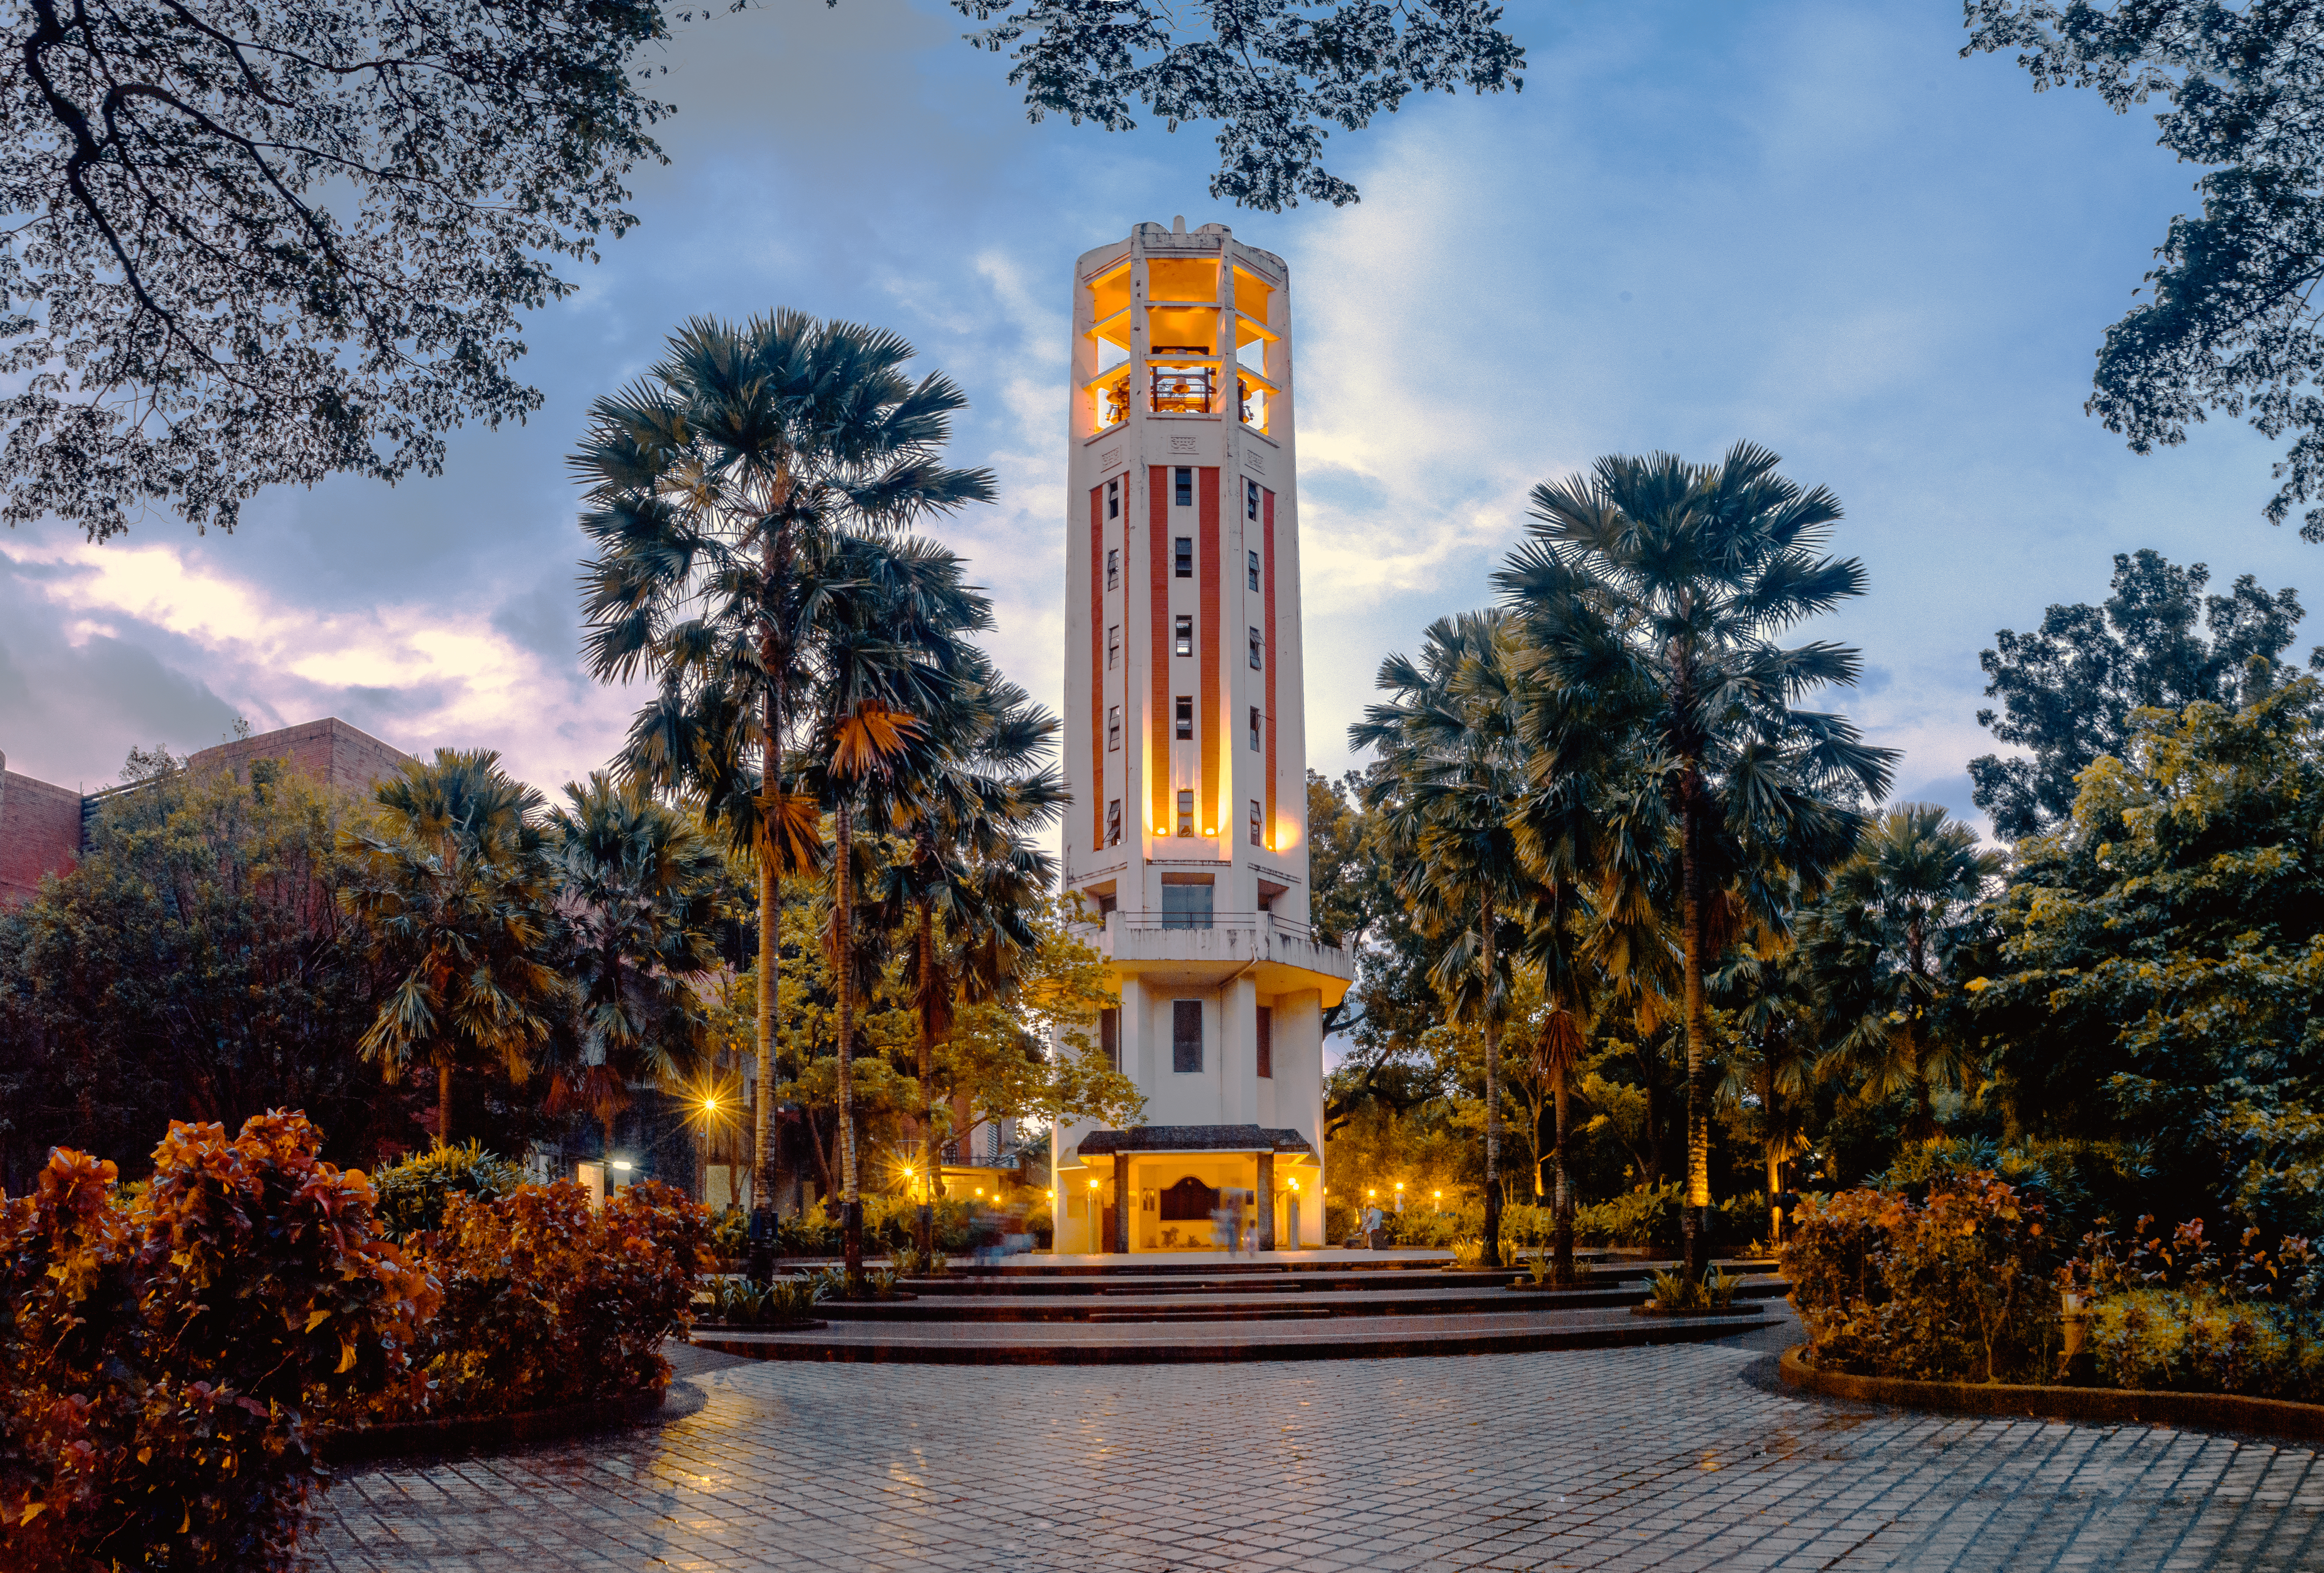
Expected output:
(1254, 570)
(1113, 647)
(1267, 1043)
(1254, 728)
(1256, 646)
(1187, 816)
(1183, 483)
(1184, 635)
(1251, 507)
(1185, 557)
(1109, 1037)
(1113, 727)
(1256, 840)
(1187, 1036)
(1113, 568)
(1113, 498)
(1114, 823)
(1186, 716)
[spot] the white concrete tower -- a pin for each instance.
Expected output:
(1185, 746)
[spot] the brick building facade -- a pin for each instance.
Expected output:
(43, 828)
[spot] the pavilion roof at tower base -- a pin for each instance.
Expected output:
(1193, 1139)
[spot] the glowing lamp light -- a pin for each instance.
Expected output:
(1093, 1185)
(621, 1165)
(1399, 1185)
(1294, 1185)
(1210, 829)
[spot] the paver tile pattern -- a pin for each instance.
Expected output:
(1647, 1458)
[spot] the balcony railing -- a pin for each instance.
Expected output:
(1148, 922)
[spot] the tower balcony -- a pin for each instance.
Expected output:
(1280, 956)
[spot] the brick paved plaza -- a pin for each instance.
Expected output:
(1650, 1459)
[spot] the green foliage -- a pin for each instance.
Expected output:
(196, 964)
(2159, 957)
(549, 1300)
(783, 1302)
(1678, 1291)
(2067, 689)
(1647, 1216)
(1950, 1289)
(166, 1361)
(2178, 1313)
(413, 1191)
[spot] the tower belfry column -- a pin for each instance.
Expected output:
(1186, 746)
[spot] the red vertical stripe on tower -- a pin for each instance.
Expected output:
(1208, 719)
(1097, 667)
(1274, 655)
(1157, 513)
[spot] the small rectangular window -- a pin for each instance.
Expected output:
(1267, 1043)
(1250, 508)
(1113, 498)
(1187, 1036)
(1113, 568)
(1254, 570)
(1184, 482)
(1113, 647)
(1185, 828)
(1186, 716)
(1184, 635)
(1185, 557)
(1256, 645)
(1254, 728)
(1256, 840)
(1112, 835)
(1109, 1037)
(1113, 727)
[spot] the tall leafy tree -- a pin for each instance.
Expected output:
(1883, 940)
(1450, 779)
(2231, 319)
(2068, 689)
(1659, 589)
(739, 493)
(638, 888)
(451, 882)
(252, 244)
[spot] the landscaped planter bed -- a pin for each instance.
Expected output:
(464, 1433)
(2223, 1411)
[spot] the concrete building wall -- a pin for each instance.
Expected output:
(41, 824)
(40, 833)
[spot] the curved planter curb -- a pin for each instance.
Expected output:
(2218, 1412)
(460, 1434)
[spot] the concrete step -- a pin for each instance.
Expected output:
(1386, 1300)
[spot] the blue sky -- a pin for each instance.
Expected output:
(1809, 225)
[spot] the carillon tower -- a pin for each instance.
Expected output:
(1185, 747)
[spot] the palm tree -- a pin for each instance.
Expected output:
(891, 664)
(969, 879)
(1450, 781)
(723, 486)
(1659, 589)
(1881, 940)
(458, 900)
(1767, 988)
(638, 883)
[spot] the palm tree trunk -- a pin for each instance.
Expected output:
(1492, 1257)
(443, 1103)
(851, 1208)
(926, 1224)
(763, 1158)
(1768, 1112)
(1693, 1215)
(1564, 1200)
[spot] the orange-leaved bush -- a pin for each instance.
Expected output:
(1956, 1288)
(166, 1361)
(549, 1301)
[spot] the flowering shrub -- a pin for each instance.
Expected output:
(548, 1301)
(165, 1361)
(1955, 1288)
(2179, 1315)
